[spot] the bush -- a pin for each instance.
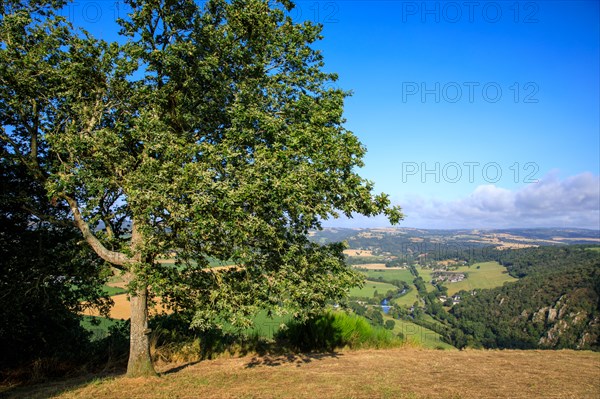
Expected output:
(390, 324)
(333, 330)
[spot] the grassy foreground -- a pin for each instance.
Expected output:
(393, 373)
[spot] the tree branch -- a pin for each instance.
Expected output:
(33, 144)
(117, 259)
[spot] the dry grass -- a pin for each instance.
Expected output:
(122, 308)
(358, 252)
(507, 241)
(400, 373)
(377, 266)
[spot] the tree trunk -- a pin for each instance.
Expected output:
(140, 362)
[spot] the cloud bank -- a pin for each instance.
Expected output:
(573, 202)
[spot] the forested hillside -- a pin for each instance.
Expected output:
(555, 304)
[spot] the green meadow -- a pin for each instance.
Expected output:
(480, 275)
(110, 291)
(368, 290)
(426, 275)
(418, 335)
(390, 275)
(407, 299)
(488, 275)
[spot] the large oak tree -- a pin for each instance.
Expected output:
(209, 131)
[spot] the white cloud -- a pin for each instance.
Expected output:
(572, 202)
(551, 202)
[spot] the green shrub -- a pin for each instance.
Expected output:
(332, 330)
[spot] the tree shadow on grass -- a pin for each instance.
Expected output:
(298, 359)
(179, 368)
(49, 389)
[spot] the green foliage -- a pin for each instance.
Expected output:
(357, 308)
(44, 277)
(420, 284)
(374, 315)
(333, 330)
(541, 260)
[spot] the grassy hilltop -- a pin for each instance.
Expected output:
(392, 373)
(536, 297)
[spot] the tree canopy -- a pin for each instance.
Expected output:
(209, 131)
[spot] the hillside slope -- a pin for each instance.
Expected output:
(399, 373)
(554, 305)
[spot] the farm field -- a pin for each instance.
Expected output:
(407, 299)
(116, 288)
(99, 328)
(489, 275)
(120, 310)
(358, 252)
(368, 290)
(389, 275)
(426, 275)
(376, 266)
(396, 373)
(264, 326)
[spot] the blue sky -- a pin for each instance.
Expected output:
(482, 114)
(483, 117)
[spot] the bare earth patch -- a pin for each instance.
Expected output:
(399, 373)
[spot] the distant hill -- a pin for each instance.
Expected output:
(401, 239)
(408, 243)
